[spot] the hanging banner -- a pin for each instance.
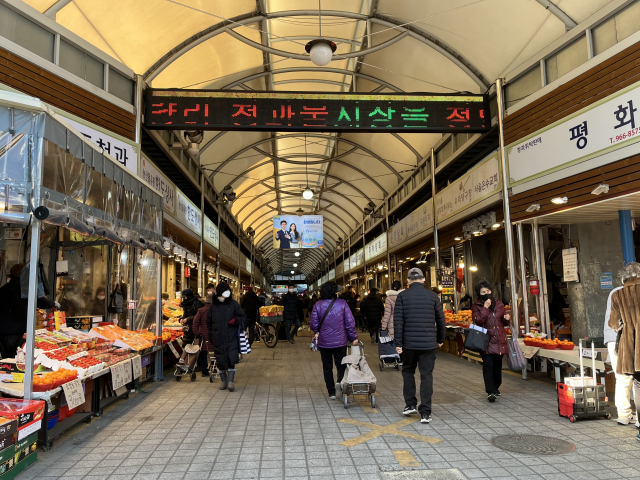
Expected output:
(188, 213)
(211, 233)
(420, 219)
(353, 261)
(360, 257)
(292, 231)
(376, 247)
(157, 180)
(476, 185)
(605, 126)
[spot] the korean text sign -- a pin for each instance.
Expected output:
(300, 111)
(292, 231)
(607, 125)
(188, 213)
(157, 180)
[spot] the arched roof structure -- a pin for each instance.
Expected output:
(383, 46)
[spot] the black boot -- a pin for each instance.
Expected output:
(232, 374)
(224, 378)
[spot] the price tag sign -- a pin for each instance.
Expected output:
(74, 393)
(42, 331)
(529, 351)
(173, 349)
(121, 374)
(131, 305)
(136, 363)
(77, 356)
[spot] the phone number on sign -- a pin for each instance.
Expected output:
(624, 136)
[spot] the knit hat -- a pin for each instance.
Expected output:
(187, 293)
(221, 288)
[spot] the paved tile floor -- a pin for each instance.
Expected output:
(280, 424)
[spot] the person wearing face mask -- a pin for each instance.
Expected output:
(224, 321)
(488, 313)
(98, 306)
(290, 304)
(200, 329)
(251, 305)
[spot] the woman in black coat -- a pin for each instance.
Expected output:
(224, 320)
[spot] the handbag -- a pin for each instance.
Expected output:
(476, 339)
(314, 343)
(515, 359)
(244, 343)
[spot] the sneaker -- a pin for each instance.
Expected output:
(409, 410)
(624, 420)
(426, 419)
(332, 397)
(498, 393)
(491, 397)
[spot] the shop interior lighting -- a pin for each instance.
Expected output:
(297, 254)
(559, 200)
(473, 268)
(496, 226)
(386, 276)
(295, 265)
(461, 264)
(533, 207)
(422, 253)
(433, 248)
(457, 239)
(602, 188)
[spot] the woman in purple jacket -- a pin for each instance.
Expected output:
(333, 334)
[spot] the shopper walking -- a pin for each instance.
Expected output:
(200, 330)
(357, 314)
(625, 320)
(624, 383)
(224, 321)
(350, 298)
(419, 328)
(251, 305)
(334, 326)
(372, 310)
(190, 306)
(389, 308)
(290, 304)
(488, 312)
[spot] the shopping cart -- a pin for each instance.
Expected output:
(358, 378)
(213, 367)
(581, 397)
(187, 363)
(387, 353)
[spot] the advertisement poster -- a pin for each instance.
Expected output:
(292, 231)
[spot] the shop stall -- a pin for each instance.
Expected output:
(93, 232)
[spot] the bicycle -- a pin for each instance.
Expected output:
(267, 332)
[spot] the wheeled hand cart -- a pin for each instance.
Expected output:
(583, 397)
(350, 389)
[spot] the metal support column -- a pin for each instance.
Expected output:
(158, 374)
(508, 229)
(386, 219)
(454, 268)
(201, 282)
(626, 235)
(523, 273)
(542, 298)
(433, 202)
(138, 107)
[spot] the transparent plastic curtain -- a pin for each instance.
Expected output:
(146, 290)
(17, 130)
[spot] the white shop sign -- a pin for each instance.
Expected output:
(229, 249)
(248, 264)
(605, 126)
(125, 153)
(477, 184)
(150, 174)
(359, 257)
(211, 233)
(420, 219)
(352, 261)
(376, 247)
(332, 274)
(398, 233)
(188, 213)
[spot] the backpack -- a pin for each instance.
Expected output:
(116, 300)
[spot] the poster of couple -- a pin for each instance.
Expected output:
(292, 231)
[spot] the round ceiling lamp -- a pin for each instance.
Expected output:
(307, 194)
(321, 51)
(297, 254)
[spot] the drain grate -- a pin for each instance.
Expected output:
(441, 398)
(533, 444)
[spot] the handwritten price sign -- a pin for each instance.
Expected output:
(74, 393)
(121, 374)
(136, 363)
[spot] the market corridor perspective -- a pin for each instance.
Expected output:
(280, 424)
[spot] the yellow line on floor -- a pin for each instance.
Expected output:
(405, 459)
(378, 430)
(366, 406)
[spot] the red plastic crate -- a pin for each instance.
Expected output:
(565, 410)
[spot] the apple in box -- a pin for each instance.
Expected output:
(26, 412)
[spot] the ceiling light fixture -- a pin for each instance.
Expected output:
(559, 200)
(320, 50)
(496, 225)
(533, 207)
(297, 254)
(300, 212)
(473, 268)
(457, 239)
(307, 194)
(295, 265)
(602, 188)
